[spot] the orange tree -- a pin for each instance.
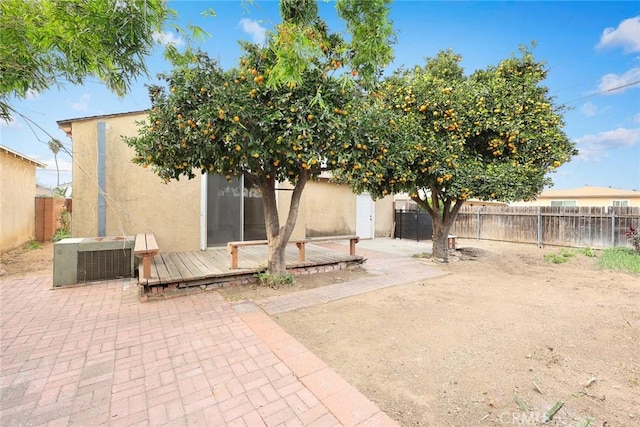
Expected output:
(444, 137)
(281, 115)
(231, 123)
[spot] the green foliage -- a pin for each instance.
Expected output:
(561, 257)
(620, 259)
(231, 123)
(633, 236)
(443, 136)
(59, 192)
(275, 281)
(281, 115)
(64, 230)
(32, 245)
(588, 252)
(48, 42)
(493, 135)
(301, 40)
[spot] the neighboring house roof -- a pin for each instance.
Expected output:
(43, 191)
(65, 124)
(10, 152)
(589, 192)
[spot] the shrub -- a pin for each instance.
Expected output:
(32, 245)
(620, 259)
(274, 281)
(563, 256)
(64, 230)
(634, 237)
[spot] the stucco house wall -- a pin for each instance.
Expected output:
(136, 199)
(586, 196)
(329, 209)
(17, 198)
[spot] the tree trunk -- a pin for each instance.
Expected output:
(442, 220)
(440, 232)
(278, 236)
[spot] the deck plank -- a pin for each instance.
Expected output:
(200, 269)
(194, 271)
(209, 266)
(172, 270)
(161, 271)
(184, 273)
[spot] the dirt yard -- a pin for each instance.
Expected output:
(498, 341)
(24, 262)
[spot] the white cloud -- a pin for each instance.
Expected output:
(167, 38)
(626, 35)
(11, 124)
(82, 104)
(254, 29)
(589, 109)
(596, 147)
(609, 82)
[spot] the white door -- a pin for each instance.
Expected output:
(365, 216)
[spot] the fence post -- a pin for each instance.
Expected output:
(539, 224)
(613, 227)
(478, 224)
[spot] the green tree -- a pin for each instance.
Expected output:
(55, 145)
(300, 40)
(45, 43)
(444, 137)
(232, 123)
(281, 115)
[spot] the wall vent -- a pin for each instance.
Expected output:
(104, 264)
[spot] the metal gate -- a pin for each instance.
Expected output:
(415, 225)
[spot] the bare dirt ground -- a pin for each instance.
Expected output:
(24, 262)
(498, 341)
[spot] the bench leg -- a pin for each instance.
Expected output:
(234, 257)
(451, 242)
(352, 247)
(301, 254)
(146, 266)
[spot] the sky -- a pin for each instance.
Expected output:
(591, 50)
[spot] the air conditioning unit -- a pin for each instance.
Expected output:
(89, 259)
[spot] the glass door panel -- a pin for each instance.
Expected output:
(224, 207)
(254, 226)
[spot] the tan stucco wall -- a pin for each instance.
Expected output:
(384, 216)
(329, 209)
(17, 201)
(136, 199)
(582, 201)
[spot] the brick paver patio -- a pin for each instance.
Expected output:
(94, 355)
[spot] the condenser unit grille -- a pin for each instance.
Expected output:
(104, 264)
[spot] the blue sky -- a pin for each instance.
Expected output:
(592, 51)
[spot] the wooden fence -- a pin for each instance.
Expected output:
(595, 227)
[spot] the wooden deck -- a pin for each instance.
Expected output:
(212, 267)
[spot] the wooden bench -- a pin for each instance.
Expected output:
(145, 247)
(353, 239)
(232, 247)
